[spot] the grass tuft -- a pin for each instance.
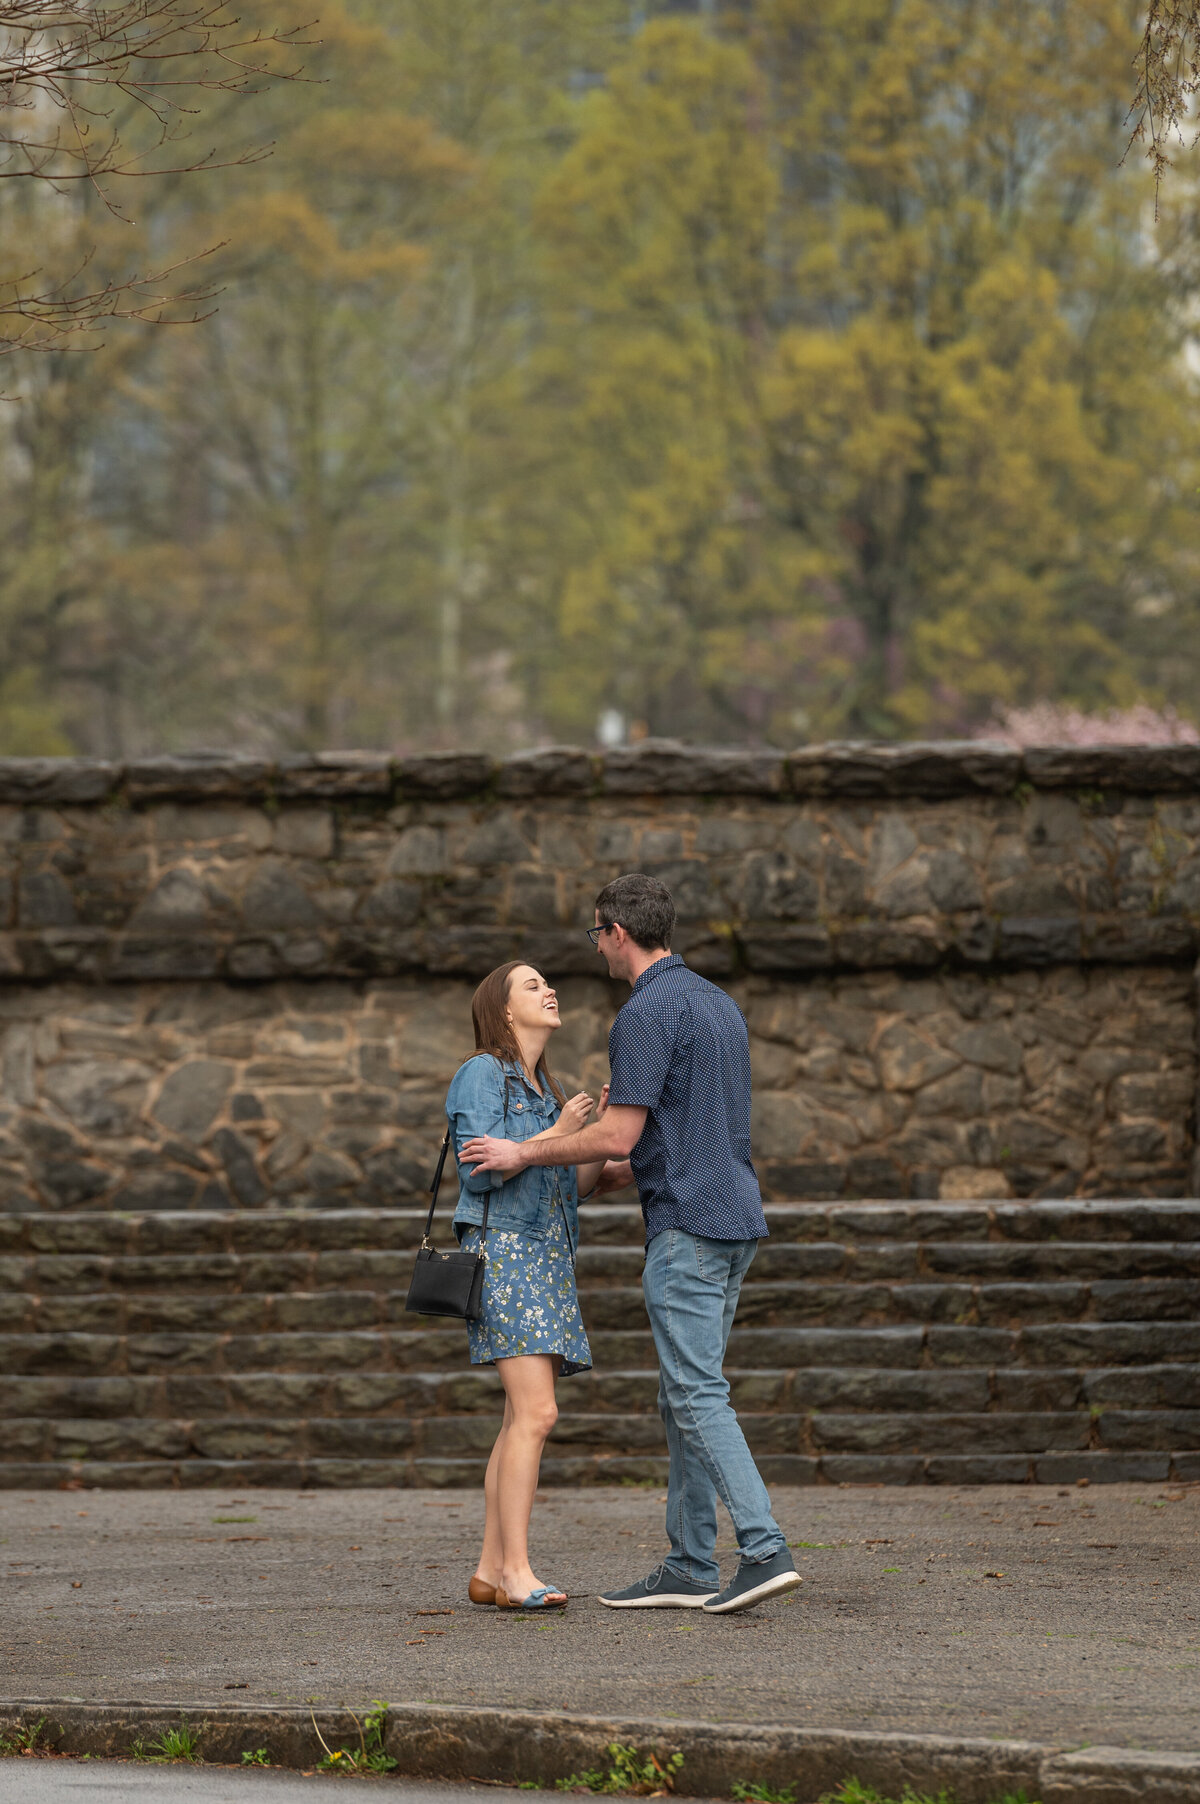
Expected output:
(852, 1791)
(369, 1756)
(21, 1739)
(628, 1776)
(173, 1744)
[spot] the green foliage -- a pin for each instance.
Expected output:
(656, 222)
(22, 1738)
(255, 1757)
(803, 371)
(370, 1755)
(628, 1775)
(974, 469)
(851, 1791)
(915, 487)
(173, 1744)
(30, 719)
(754, 1793)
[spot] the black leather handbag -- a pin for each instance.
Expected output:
(447, 1283)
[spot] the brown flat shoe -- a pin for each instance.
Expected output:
(479, 1593)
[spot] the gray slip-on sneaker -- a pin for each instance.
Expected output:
(754, 1582)
(663, 1590)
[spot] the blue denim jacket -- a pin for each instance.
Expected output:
(493, 1096)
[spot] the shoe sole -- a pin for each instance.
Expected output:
(666, 1601)
(772, 1587)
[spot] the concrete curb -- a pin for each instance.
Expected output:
(448, 1741)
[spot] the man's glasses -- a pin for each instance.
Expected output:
(594, 933)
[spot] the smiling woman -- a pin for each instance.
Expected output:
(529, 1325)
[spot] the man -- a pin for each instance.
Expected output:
(679, 1110)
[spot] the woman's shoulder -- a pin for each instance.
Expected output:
(484, 1070)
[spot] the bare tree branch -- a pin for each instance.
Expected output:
(61, 317)
(1168, 66)
(69, 70)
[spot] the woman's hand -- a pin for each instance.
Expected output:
(616, 1174)
(574, 1114)
(603, 1103)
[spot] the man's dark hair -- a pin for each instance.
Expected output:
(642, 906)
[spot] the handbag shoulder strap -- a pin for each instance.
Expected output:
(436, 1186)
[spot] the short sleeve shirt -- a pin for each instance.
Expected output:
(679, 1049)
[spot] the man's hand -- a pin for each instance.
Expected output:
(486, 1153)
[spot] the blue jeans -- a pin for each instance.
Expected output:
(691, 1286)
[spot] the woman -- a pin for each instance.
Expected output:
(529, 1327)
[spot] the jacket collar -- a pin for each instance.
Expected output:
(512, 1068)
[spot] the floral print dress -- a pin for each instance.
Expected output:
(530, 1304)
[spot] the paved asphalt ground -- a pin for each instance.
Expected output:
(112, 1782)
(1065, 1617)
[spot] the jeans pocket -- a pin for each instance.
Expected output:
(745, 1258)
(712, 1259)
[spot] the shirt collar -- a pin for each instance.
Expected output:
(652, 971)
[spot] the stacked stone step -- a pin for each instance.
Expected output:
(946, 1343)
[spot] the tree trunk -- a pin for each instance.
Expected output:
(455, 523)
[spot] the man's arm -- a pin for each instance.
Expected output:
(614, 1136)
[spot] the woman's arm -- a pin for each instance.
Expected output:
(586, 1176)
(476, 1095)
(574, 1113)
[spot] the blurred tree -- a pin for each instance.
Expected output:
(980, 364)
(497, 77)
(294, 394)
(328, 456)
(654, 236)
(378, 443)
(863, 371)
(98, 107)
(803, 368)
(84, 573)
(49, 538)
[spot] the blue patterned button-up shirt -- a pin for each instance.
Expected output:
(679, 1049)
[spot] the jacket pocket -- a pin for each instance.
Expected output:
(512, 1210)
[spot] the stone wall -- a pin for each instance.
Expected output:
(230, 984)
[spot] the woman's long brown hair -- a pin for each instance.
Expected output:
(493, 1030)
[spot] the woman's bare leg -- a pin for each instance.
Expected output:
(529, 1387)
(491, 1559)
